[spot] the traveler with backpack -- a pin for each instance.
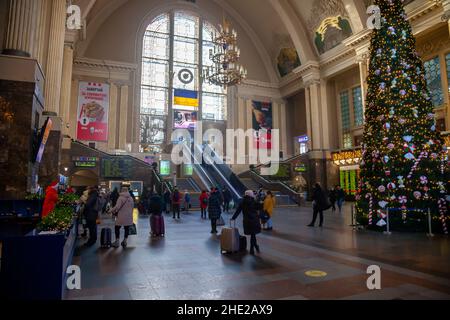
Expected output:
(214, 208)
(176, 202)
(124, 216)
(203, 203)
(156, 218)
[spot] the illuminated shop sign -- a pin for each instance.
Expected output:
(300, 168)
(85, 164)
(303, 139)
(85, 159)
(347, 157)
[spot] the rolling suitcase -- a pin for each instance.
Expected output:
(105, 238)
(242, 243)
(229, 239)
(157, 225)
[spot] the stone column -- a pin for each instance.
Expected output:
(66, 86)
(316, 139)
(21, 30)
(123, 117)
(112, 126)
(41, 28)
(446, 6)
(308, 116)
(55, 56)
(283, 130)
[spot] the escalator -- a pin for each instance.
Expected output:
(221, 173)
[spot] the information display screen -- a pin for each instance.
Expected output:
(113, 168)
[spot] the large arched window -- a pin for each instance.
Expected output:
(176, 45)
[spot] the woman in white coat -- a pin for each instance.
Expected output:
(124, 215)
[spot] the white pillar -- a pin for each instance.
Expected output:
(112, 126)
(315, 115)
(55, 56)
(123, 117)
(21, 29)
(66, 86)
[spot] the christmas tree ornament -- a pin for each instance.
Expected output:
(407, 138)
(381, 223)
(383, 204)
(409, 156)
(401, 182)
(381, 189)
(391, 186)
(401, 121)
(417, 194)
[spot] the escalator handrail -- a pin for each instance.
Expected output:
(275, 182)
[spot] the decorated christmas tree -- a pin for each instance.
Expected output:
(404, 164)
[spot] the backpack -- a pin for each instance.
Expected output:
(205, 201)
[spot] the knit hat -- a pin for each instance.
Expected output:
(249, 193)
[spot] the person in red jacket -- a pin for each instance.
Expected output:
(204, 203)
(51, 198)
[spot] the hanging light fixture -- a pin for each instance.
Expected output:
(225, 71)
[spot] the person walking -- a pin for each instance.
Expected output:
(332, 197)
(340, 197)
(203, 203)
(187, 201)
(214, 209)
(252, 226)
(268, 206)
(91, 212)
(167, 197)
(123, 211)
(176, 202)
(319, 204)
(226, 200)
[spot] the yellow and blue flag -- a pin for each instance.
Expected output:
(184, 97)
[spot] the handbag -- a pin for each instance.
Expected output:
(264, 216)
(133, 230)
(220, 221)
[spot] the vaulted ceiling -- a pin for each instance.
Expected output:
(271, 24)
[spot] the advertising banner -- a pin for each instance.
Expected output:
(93, 108)
(262, 124)
(184, 119)
(164, 167)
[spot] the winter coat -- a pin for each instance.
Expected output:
(227, 195)
(214, 206)
(249, 208)
(332, 195)
(203, 200)
(167, 198)
(340, 194)
(187, 197)
(269, 204)
(174, 199)
(114, 197)
(319, 198)
(124, 210)
(51, 198)
(92, 207)
(155, 206)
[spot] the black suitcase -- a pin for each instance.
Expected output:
(242, 243)
(105, 238)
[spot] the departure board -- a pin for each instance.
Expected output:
(116, 168)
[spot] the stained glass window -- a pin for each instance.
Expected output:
(433, 77)
(345, 111)
(183, 35)
(358, 106)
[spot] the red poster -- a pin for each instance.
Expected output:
(93, 107)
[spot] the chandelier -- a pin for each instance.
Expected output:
(225, 71)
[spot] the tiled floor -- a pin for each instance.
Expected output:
(187, 263)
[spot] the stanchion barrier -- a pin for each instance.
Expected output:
(387, 222)
(430, 233)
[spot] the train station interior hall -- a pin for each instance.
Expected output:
(224, 149)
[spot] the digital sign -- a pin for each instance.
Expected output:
(303, 139)
(113, 168)
(164, 167)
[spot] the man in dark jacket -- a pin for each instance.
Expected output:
(340, 197)
(252, 226)
(176, 203)
(214, 208)
(167, 201)
(319, 204)
(155, 205)
(91, 210)
(226, 200)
